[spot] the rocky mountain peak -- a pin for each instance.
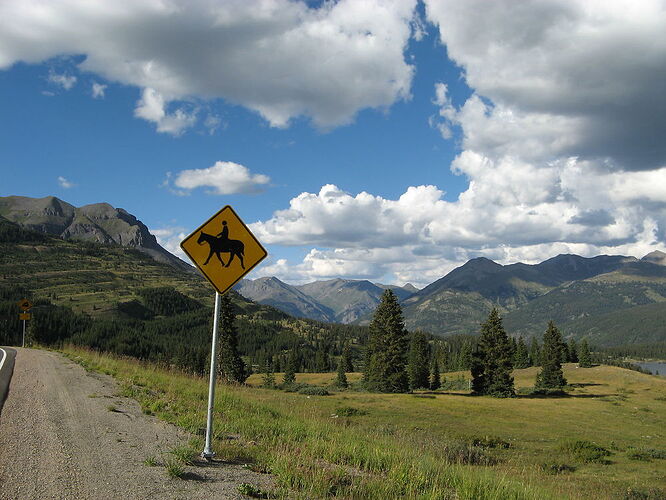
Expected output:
(99, 222)
(657, 257)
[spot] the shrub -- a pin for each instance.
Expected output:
(649, 494)
(585, 451)
(490, 442)
(556, 468)
(349, 411)
(251, 491)
(313, 391)
(455, 384)
(646, 454)
(295, 387)
(548, 392)
(458, 452)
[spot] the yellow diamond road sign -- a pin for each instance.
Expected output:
(223, 249)
(25, 304)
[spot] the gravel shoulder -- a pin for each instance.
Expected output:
(65, 433)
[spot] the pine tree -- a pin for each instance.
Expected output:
(418, 369)
(322, 361)
(573, 351)
(347, 358)
(514, 346)
(292, 366)
(535, 352)
(268, 380)
(445, 357)
(584, 357)
(551, 376)
(341, 380)
(491, 362)
(231, 368)
(564, 352)
(435, 380)
(465, 358)
(522, 358)
(386, 353)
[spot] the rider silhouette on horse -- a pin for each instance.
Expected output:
(222, 244)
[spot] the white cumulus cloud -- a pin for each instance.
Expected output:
(152, 107)
(62, 80)
(64, 183)
(98, 90)
(224, 177)
(280, 58)
(560, 78)
(170, 237)
(511, 211)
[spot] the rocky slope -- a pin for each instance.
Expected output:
(569, 289)
(337, 300)
(99, 222)
(273, 292)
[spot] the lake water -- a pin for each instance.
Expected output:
(653, 366)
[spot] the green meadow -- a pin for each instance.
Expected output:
(605, 439)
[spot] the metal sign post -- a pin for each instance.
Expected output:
(224, 249)
(208, 452)
(25, 306)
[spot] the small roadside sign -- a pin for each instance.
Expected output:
(25, 316)
(24, 304)
(224, 249)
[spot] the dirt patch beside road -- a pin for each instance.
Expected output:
(66, 434)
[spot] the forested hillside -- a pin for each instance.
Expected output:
(120, 300)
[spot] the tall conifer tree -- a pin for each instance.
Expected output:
(492, 363)
(341, 380)
(535, 352)
(386, 355)
(291, 368)
(465, 358)
(573, 351)
(584, 357)
(268, 378)
(522, 358)
(435, 378)
(551, 376)
(418, 367)
(347, 358)
(231, 368)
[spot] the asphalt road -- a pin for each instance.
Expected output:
(7, 356)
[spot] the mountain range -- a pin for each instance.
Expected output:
(99, 222)
(610, 300)
(336, 300)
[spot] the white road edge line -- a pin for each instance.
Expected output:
(3, 358)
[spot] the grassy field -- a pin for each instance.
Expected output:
(607, 439)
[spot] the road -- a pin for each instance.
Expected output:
(7, 355)
(66, 433)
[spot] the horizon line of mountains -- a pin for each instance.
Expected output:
(609, 299)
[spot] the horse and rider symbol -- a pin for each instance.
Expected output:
(222, 244)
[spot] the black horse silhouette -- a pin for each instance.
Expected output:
(222, 245)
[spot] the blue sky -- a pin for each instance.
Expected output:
(383, 140)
